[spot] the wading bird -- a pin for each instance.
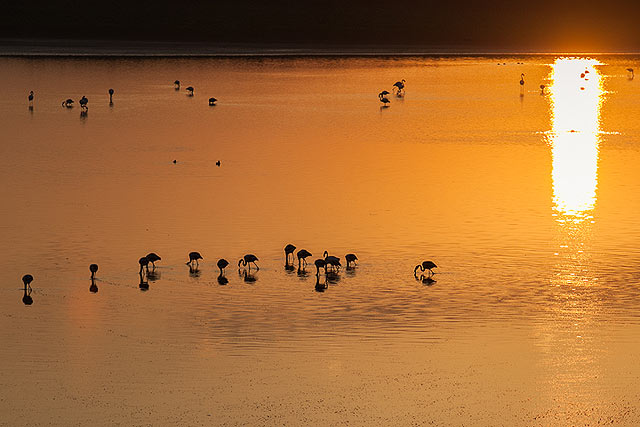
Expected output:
(68, 103)
(194, 257)
(31, 99)
(27, 279)
(144, 262)
(319, 263)
(288, 250)
(383, 98)
(302, 255)
(522, 82)
(351, 258)
(83, 103)
(110, 96)
(190, 90)
(212, 101)
(542, 87)
(331, 260)
(153, 257)
(398, 87)
(26, 297)
(631, 71)
(222, 264)
(93, 268)
(249, 259)
(176, 85)
(426, 265)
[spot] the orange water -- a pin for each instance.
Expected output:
(528, 204)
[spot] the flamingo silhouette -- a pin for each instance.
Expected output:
(83, 103)
(153, 257)
(382, 95)
(628, 69)
(26, 297)
(190, 90)
(331, 260)
(194, 256)
(288, 250)
(93, 268)
(68, 103)
(319, 263)
(222, 264)
(176, 84)
(302, 255)
(542, 87)
(522, 83)
(426, 265)
(249, 259)
(144, 262)
(111, 96)
(31, 98)
(351, 258)
(399, 86)
(212, 101)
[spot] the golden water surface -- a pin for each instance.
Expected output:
(528, 203)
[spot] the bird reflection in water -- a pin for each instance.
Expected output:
(153, 275)
(26, 298)
(93, 288)
(321, 286)
(222, 280)
(144, 285)
(194, 271)
(425, 280)
(332, 277)
(289, 268)
(248, 277)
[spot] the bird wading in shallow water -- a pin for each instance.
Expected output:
(426, 265)
(248, 259)
(194, 257)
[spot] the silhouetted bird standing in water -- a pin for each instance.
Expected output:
(302, 255)
(31, 99)
(542, 87)
(176, 85)
(93, 268)
(212, 101)
(319, 263)
(288, 250)
(26, 298)
(218, 163)
(110, 96)
(426, 265)
(153, 257)
(190, 90)
(222, 264)
(194, 257)
(522, 84)
(398, 87)
(350, 258)
(144, 262)
(83, 103)
(68, 103)
(249, 259)
(331, 260)
(385, 101)
(27, 279)
(628, 69)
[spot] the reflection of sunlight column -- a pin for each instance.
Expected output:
(575, 116)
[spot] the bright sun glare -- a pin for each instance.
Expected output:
(576, 95)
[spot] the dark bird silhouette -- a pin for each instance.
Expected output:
(331, 260)
(144, 262)
(27, 279)
(144, 285)
(111, 96)
(302, 255)
(68, 103)
(522, 82)
(319, 263)
(212, 101)
(426, 265)
(218, 163)
(288, 250)
(31, 98)
(190, 90)
(26, 297)
(382, 96)
(93, 268)
(351, 258)
(542, 87)
(194, 257)
(153, 257)
(399, 86)
(249, 259)
(83, 103)
(222, 264)
(176, 84)
(631, 71)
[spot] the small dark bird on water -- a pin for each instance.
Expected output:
(542, 87)
(350, 258)
(383, 98)
(176, 84)
(212, 101)
(111, 96)
(194, 257)
(153, 257)
(175, 161)
(218, 163)
(27, 279)
(249, 259)
(222, 264)
(302, 255)
(190, 90)
(68, 103)
(93, 268)
(399, 86)
(426, 265)
(26, 298)
(31, 98)
(631, 71)
(288, 250)
(83, 103)
(144, 262)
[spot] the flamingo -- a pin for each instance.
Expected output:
(27, 279)
(68, 103)
(26, 298)
(522, 82)
(153, 257)
(302, 255)
(399, 86)
(426, 265)
(631, 71)
(31, 98)
(93, 268)
(222, 264)
(212, 101)
(382, 95)
(218, 163)
(288, 250)
(144, 262)
(331, 260)
(194, 256)
(176, 84)
(111, 96)
(83, 103)
(190, 90)
(351, 258)
(249, 259)
(542, 87)
(319, 263)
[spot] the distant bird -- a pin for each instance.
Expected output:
(68, 103)
(351, 258)
(249, 259)
(27, 279)
(222, 264)
(144, 262)
(26, 297)
(83, 103)
(218, 163)
(175, 161)
(542, 87)
(288, 250)
(31, 98)
(190, 90)
(631, 71)
(93, 268)
(399, 86)
(302, 255)
(522, 80)
(426, 265)
(212, 101)
(319, 263)
(382, 96)
(153, 257)
(110, 96)
(194, 256)
(176, 84)
(331, 260)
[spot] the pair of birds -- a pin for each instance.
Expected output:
(222, 263)
(190, 89)
(68, 103)
(398, 89)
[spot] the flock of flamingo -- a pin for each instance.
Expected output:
(329, 263)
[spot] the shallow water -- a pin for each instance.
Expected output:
(527, 202)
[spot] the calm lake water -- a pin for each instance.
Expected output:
(527, 203)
